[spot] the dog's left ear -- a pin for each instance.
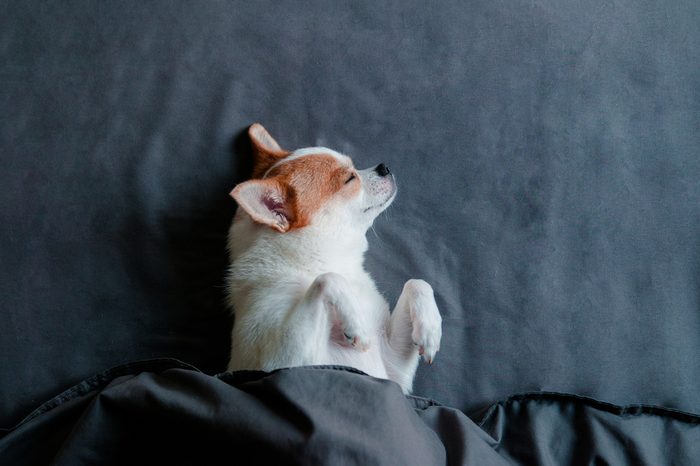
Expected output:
(266, 150)
(266, 201)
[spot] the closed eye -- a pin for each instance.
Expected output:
(352, 177)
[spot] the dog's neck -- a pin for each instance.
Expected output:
(311, 249)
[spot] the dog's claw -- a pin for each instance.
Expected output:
(355, 342)
(352, 340)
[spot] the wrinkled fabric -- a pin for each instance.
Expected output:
(165, 412)
(560, 429)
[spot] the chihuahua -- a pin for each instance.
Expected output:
(297, 283)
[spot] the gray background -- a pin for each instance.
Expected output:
(547, 155)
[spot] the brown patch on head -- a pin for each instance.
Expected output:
(311, 181)
(293, 191)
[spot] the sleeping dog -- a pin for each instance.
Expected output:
(297, 284)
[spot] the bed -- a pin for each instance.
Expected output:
(546, 155)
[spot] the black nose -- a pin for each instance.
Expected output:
(382, 170)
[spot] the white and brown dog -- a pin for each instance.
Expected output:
(297, 284)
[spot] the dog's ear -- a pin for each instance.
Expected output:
(266, 201)
(266, 151)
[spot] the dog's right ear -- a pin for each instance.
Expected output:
(266, 151)
(266, 201)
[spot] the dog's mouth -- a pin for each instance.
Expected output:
(381, 204)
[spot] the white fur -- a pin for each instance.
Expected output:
(304, 298)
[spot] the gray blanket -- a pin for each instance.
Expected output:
(163, 412)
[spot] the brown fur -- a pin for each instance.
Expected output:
(302, 185)
(309, 182)
(266, 151)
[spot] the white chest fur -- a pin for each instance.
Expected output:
(269, 277)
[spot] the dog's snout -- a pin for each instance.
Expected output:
(382, 170)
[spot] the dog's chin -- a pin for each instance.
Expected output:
(381, 205)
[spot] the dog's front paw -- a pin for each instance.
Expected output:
(353, 332)
(341, 304)
(355, 340)
(425, 318)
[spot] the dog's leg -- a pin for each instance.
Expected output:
(335, 293)
(327, 311)
(414, 329)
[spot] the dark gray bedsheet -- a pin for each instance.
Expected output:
(547, 156)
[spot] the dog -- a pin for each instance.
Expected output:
(297, 283)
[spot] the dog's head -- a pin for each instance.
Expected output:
(311, 186)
